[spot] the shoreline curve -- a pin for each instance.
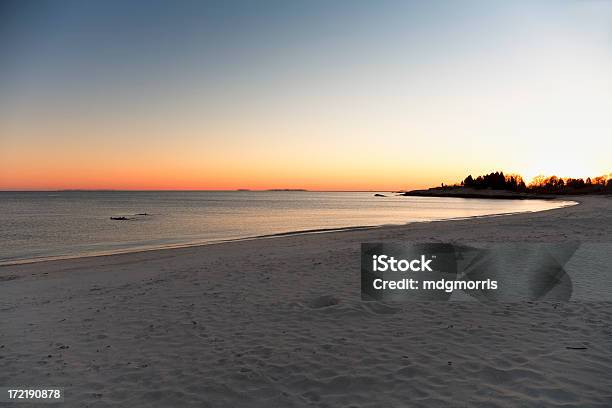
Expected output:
(568, 203)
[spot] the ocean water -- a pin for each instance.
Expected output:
(43, 225)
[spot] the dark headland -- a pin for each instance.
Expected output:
(499, 186)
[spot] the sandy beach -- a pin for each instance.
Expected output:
(279, 322)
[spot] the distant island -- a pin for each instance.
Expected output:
(498, 185)
(287, 189)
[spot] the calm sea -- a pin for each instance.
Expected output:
(37, 225)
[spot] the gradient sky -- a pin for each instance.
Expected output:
(301, 94)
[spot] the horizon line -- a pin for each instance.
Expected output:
(277, 190)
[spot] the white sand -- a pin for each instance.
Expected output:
(278, 322)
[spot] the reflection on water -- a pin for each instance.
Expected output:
(52, 224)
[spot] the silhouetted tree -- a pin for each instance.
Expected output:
(469, 181)
(540, 184)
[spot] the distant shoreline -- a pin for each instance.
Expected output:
(465, 192)
(471, 193)
(242, 190)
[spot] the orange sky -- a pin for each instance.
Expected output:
(370, 97)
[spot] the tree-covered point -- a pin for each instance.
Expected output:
(540, 184)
